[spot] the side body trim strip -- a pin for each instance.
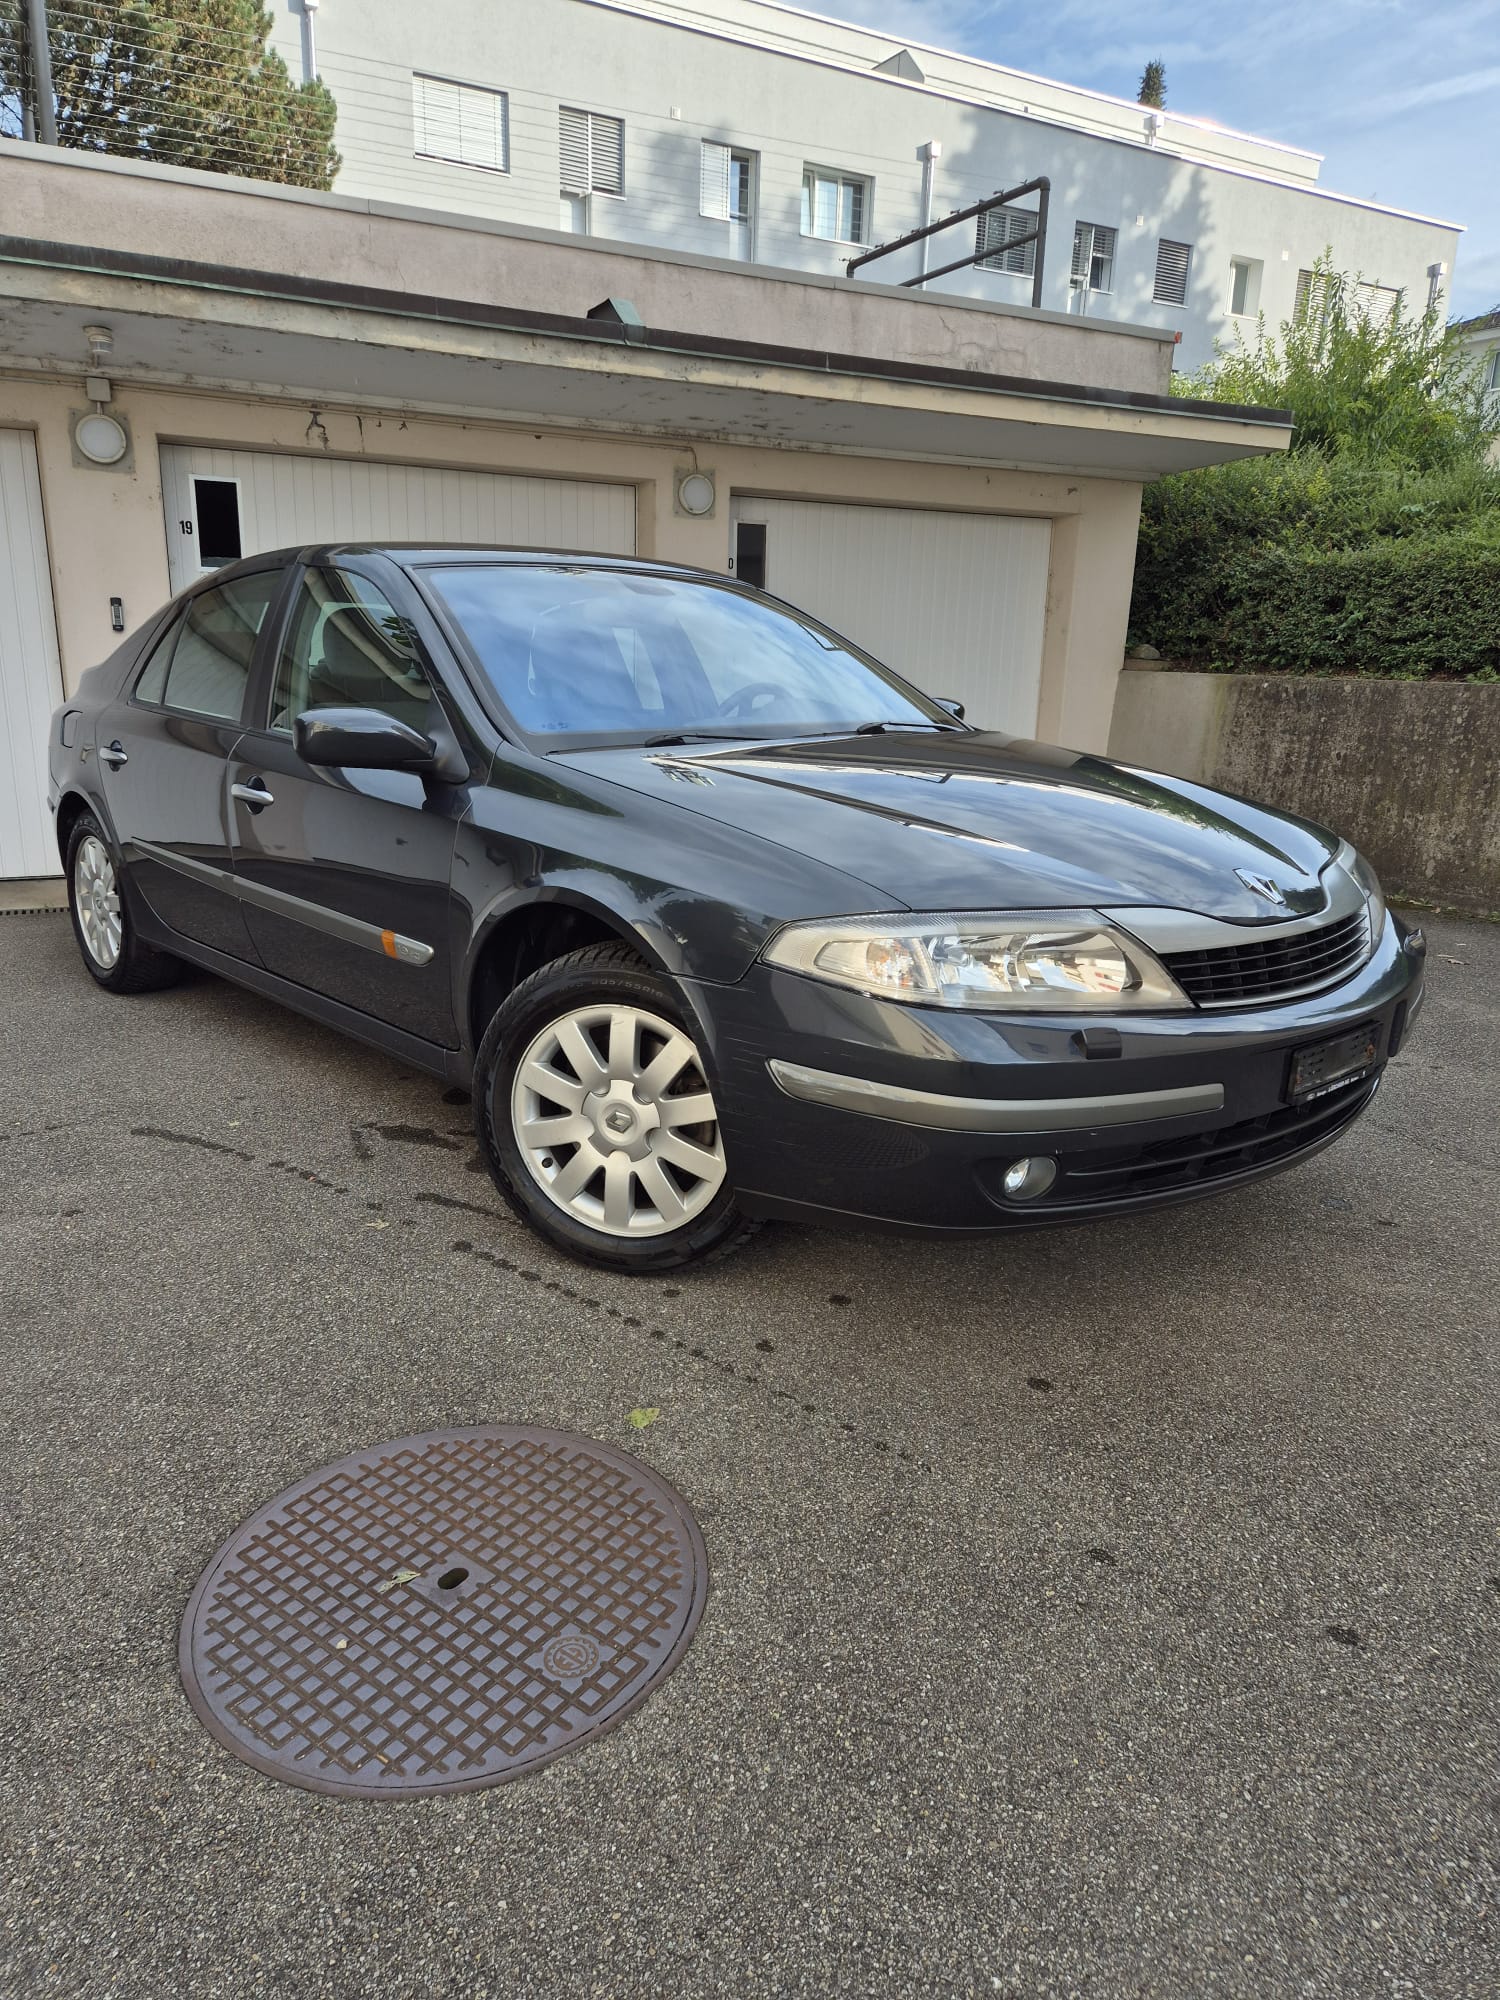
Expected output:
(992, 1114)
(316, 916)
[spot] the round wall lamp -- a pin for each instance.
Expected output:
(695, 494)
(101, 439)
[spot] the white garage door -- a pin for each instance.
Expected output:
(30, 681)
(955, 602)
(224, 504)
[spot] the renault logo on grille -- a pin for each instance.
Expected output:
(1262, 885)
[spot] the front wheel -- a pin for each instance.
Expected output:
(596, 1117)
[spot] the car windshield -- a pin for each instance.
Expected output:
(576, 651)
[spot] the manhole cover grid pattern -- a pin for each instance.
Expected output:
(584, 1585)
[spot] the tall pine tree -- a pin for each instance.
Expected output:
(1153, 90)
(187, 82)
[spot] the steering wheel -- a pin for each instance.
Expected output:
(742, 702)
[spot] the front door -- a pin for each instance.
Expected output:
(163, 750)
(346, 875)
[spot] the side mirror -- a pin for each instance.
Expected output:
(954, 708)
(361, 739)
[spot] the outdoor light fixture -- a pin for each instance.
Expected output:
(101, 439)
(695, 494)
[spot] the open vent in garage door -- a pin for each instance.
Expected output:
(955, 602)
(223, 504)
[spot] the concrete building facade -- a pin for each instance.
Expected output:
(757, 132)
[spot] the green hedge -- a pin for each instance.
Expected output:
(1314, 566)
(1402, 610)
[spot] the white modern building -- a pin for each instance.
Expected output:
(753, 131)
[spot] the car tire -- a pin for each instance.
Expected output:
(580, 1101)
(116, 958)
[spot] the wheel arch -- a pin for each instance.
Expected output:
(71, 808)
(517, 940)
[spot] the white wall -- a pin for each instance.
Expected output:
(790, 111)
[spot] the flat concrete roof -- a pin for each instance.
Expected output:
(357, 307)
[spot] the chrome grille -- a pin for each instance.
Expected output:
(1271, 968)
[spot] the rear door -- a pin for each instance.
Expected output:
(346, 875)
(164, 756)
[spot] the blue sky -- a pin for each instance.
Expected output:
(1402, 98)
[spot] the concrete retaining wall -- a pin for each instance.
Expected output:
(1408, 770)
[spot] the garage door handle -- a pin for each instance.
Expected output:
(255, 796)
(114, 755)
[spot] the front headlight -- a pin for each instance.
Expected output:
(1354, 864)
(1046, 961)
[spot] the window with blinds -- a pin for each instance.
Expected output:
(835, 206)
(464, 123)
(593, 152)
(1172, 263)
(996, 228)
(724, 181)
(1093, 257)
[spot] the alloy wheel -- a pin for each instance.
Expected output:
(96, 897)
(615, 1120)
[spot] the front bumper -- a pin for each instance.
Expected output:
(837, 1104)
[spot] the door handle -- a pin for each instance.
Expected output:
(114, 755)
(255, 796)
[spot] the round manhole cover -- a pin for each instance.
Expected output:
(443, 1612)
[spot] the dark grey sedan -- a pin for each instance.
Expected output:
(717, 917)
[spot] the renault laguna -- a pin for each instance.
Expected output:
(716, 917)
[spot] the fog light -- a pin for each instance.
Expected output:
(1026, 1179)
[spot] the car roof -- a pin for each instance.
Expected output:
(419, 555)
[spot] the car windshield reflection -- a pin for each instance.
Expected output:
(572, 651)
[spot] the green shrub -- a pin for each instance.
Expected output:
(1396, 386)
(1400, 609)
(1373, 546)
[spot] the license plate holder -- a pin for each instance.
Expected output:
(1332, 1065)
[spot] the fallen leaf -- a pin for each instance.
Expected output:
(638, 1419)
(340, 1645)
(1449, 961)
(379, 1223)
(390, 1582)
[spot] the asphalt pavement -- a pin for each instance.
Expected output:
(1110, 1611)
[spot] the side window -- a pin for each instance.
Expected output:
(349, 648)
(202, 665)
(151, 682)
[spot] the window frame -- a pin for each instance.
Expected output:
(1085, 284)
(999, 258)
(1168, 298)
(841, 178)
(195, 479)
(171, 632)
(420, 152)
(733, 157)
(1492, 373)
(587, 193)
(286, 624)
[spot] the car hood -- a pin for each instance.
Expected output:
(988, 822)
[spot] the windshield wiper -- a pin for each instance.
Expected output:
(878, 728)
(692, 736)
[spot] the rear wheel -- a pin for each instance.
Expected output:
(596, 1117)
(114, 955)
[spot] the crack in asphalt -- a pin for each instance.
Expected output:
(694, 1352)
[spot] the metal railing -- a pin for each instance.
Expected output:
(1041, 187)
